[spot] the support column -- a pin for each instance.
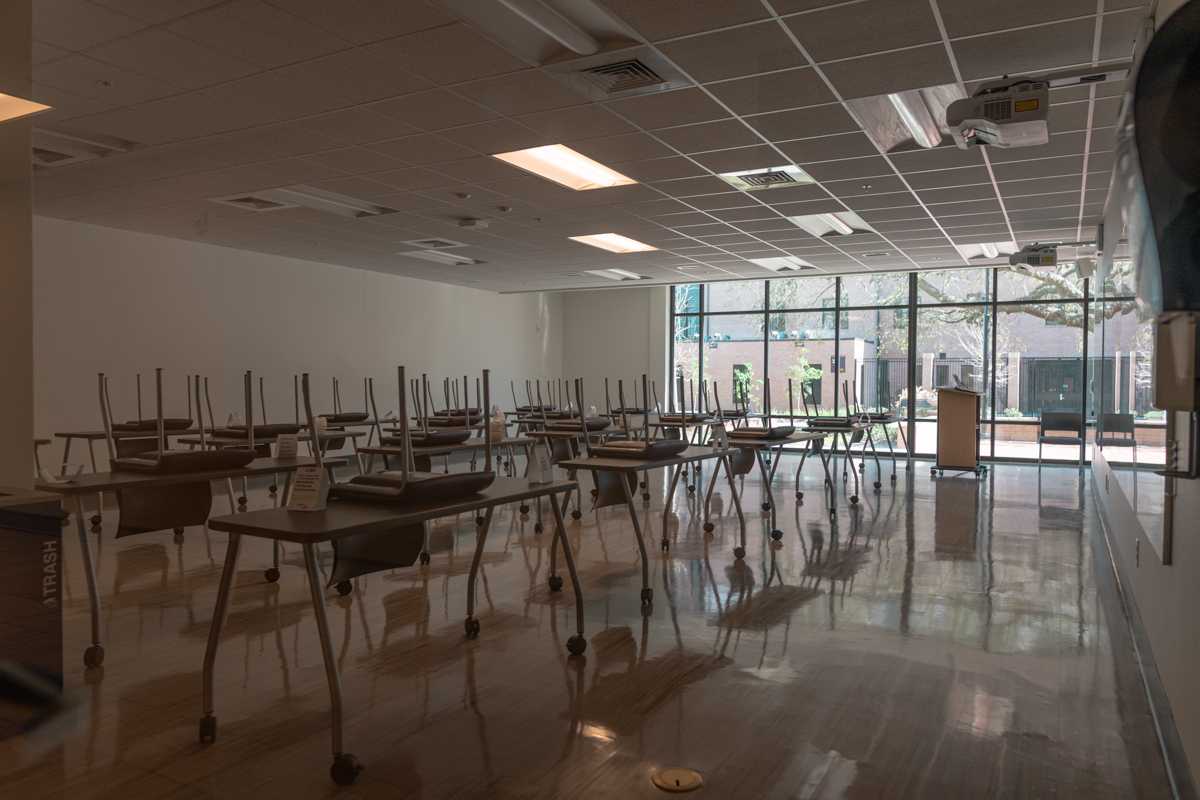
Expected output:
(1014, 381)
(16, 257)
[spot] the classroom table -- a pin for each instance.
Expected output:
(340, 520)
(96, 482)
(625, 468)
(472, 446)
(765, 450)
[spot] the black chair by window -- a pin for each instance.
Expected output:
(1060, 427)
(1117, 430)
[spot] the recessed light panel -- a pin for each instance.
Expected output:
(901, 119)
(443, 257)
(841, 223)
(986, 250)
(616, 274)
(614, 243)
(564, 166)
(783, 264)
(13, 107)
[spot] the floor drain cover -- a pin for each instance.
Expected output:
(677, 779)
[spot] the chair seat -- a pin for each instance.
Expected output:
(1060, 440)
(1116, 441)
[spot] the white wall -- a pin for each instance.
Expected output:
(118, 302)
(616, 333)
(16, 324)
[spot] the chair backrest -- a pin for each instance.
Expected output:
(1117, 423)
(1062, 421)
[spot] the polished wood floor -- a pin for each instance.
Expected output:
(952, 639)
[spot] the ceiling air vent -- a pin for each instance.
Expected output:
(762, 180)
(45, 157)
(56, 149)
(757, 180)
(622, 76)
(624, 72)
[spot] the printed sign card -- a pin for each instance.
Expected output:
(310, 489)
(287, 445)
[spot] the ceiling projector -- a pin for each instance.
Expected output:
(1006, 113)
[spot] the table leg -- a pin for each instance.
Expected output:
(93, 656)
(891, 450)
(66, 459)
(577, 644)
(208, 722)
(647, 592)
(345, 768)
(875, 456)
(272, 573)
(666, 541)
(472, 625)
(769, 504)
(740, 550)
(712, 484)
(853, 497)
(96, 518)
(233, 509)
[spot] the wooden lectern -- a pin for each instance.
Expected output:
(958, 431)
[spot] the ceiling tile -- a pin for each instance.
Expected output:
(921, 159)
(714, 202)
(1045, 47)
(357, 126)
(859, 187)
(956, 194)
(171, 59)
(434, 110)
(659, 169)
(1067, 117)
(424, 148)
(856, 29)
(782, 126)
(156, 11)
(1118, 32)
(800, 209)
(1042, 167)
(1062, 144)
(256, 32)
(89, 78)
(850, 168)
(914, 68)
(740, 158)
(738, 215)
(665, 109)
(449, 54)
(791, 88)
(625, 147)
(78, 25)
(362, 21)
(732, 53)
(967, 17)
(791, 194)
(355, 160)
(577, 122)
(959, 176)
(708, 136)
(496, 136)
(1060, 183)
(828, 148)
(663, 19)
(521, 93)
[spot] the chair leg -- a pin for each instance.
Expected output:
(1039, 452)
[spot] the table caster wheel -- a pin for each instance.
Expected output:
(862, 467)
(208, 729)
(272, 575)
(345, 769)
(878, 486)
(832, 515)
(708, 527)
(595, 493)
(576, 645)
(799, 497)
(471, 626)
(645, 497)
(739, 553)
(766, 506)
(893, 479)
(777, 534)
(273, 489)
(344, 588)
(647, 596)
(178, 535)
(666, 545)
(577, 514)
(642, 485)
(538, 527)
(933, 473)
(853, 499)
(93, 657)
(556, 583)
(524, 510)
(479, 522)
(96, 519)
(424, 559)
(691, 489)
(243, 500)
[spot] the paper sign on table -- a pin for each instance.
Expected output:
(287, 445)
(720, 437)
(310, 489)
(540, 467)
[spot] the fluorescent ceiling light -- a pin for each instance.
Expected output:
(322, 200)
(915, 115)
(561, 164)
(755, 180)
(13, 107)
(986, 250)
(615, 274)
(783, 264)
(613, 242)
(842, 223)
(442, 257)
(552, 23)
